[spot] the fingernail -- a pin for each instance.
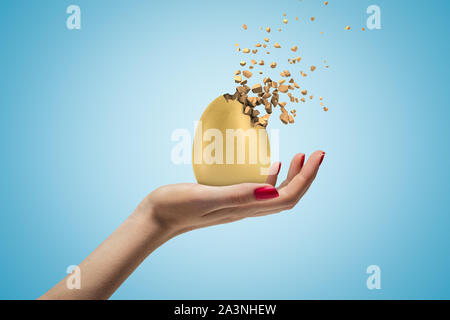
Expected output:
(321, 158)
(274, 169)
(279, 168)
(265, 193)
(302, 161)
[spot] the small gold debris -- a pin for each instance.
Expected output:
(248, 111)
(243, 63)
(247, 74)
(285, 21)
(291, 119)
(268, 29)
(262, 121)
(304, 92)
(313, 68)
(273, 65)
(257, 88)
(312, 18)
(266, 39)
(244, 26)
(294, 48)
(283, 88)
(246, 50)
(276, 45)
(284, 117)
(347, 28)
(237, 79)
(285, 73)
(325, 109)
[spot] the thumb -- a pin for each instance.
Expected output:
(245, 193)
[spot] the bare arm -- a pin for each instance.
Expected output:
(106, 268)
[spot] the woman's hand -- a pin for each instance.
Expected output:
(183, 207)
(175, 209)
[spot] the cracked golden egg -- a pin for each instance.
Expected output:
(228, 147)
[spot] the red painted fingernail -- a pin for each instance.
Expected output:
(321, 158)
(279, 168)
(265, 193)
(302, 161)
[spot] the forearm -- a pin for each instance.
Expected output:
(108, 266)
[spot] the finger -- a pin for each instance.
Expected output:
(297, 187)
(294, 168)
(296, 165)
(273, 173)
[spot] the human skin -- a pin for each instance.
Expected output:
(175, 209)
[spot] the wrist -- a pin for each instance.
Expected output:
(147, 222)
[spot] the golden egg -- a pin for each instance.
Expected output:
(228, 147)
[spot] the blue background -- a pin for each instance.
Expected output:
(87, 116)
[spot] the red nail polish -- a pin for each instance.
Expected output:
(279, 168)
(321, 158)
(302, 161)
(265, 193)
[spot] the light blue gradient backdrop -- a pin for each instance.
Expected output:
(85, 126)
